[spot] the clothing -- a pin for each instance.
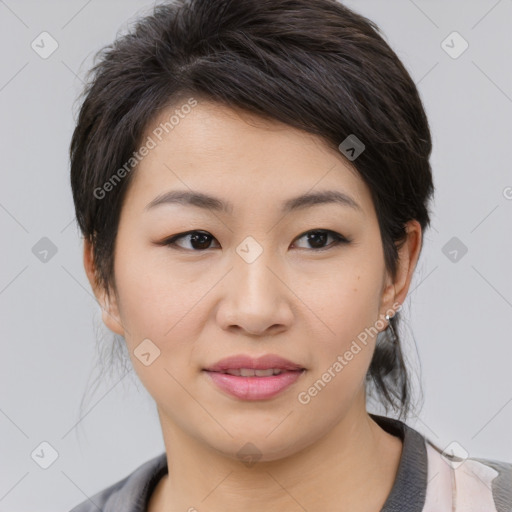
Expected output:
(425, 481)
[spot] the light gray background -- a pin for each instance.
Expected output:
(456, 319)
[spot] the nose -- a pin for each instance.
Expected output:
(256, 299)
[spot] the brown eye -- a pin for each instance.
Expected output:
(318, 237)
(199, 240)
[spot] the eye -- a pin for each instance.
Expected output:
(201, 240)
(317, 237)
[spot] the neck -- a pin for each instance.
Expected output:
(354, 466)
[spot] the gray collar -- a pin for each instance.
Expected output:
(410, 487)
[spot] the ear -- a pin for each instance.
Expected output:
(109, 307)
(395, 292)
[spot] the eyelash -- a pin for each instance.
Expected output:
(338, 239)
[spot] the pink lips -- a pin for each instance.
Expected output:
(260, 363)
(254, 387)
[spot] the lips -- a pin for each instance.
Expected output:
(266, 362)
(248, 378)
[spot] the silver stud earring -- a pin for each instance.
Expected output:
(390, 327)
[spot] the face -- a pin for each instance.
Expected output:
(266, 274)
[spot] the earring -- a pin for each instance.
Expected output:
(390, 327)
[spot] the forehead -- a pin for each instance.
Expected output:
(232, 154)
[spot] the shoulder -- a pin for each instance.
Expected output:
(470, 483)
(128, 494)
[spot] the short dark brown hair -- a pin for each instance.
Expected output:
(313, 64)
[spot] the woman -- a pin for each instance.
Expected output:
(252, 181)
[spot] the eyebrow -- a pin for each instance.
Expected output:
(202, 200)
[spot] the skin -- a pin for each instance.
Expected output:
(198, 305)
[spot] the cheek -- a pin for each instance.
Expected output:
(344, 345)
(154, 296)
(343, 303)
(346, 307)
(160, 315)
(166, 309)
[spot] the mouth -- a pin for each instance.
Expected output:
(248, 378)
(250, 372)
(243, 362)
